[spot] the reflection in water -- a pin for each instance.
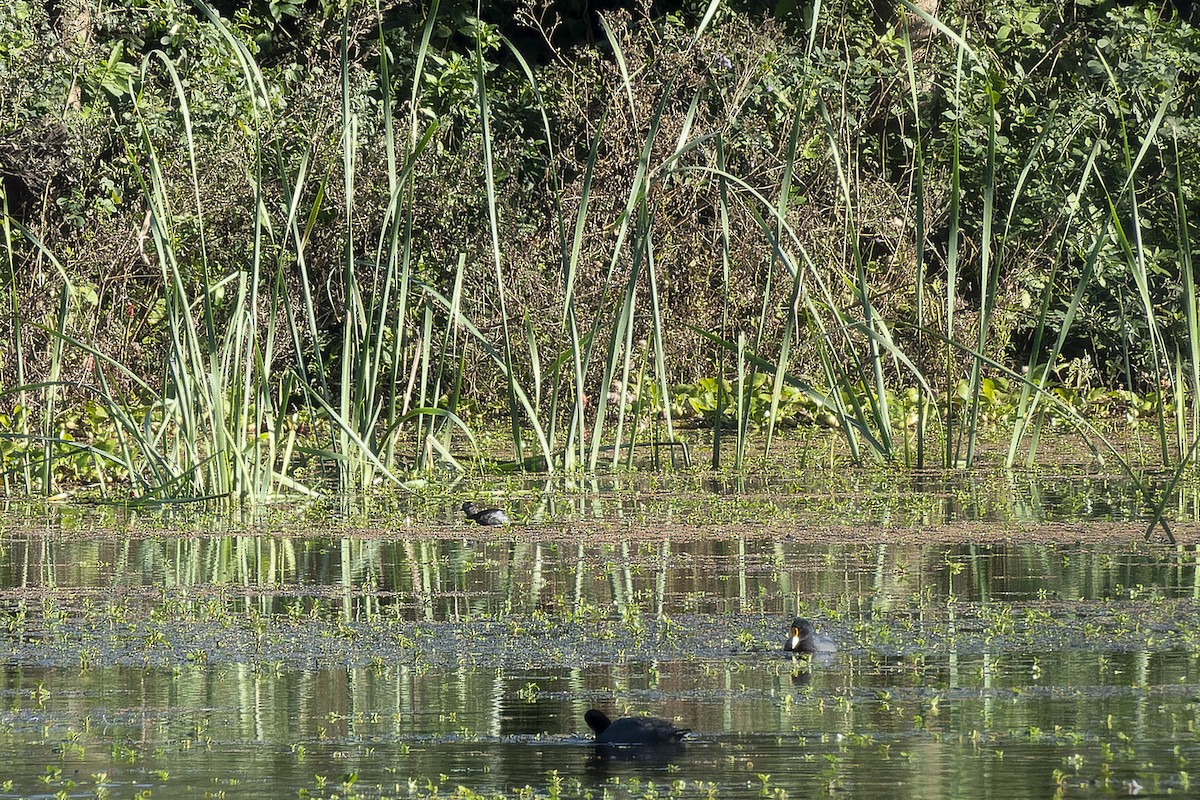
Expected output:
(243, 665)
(857, 725)
(1065, 493)
(456, 579)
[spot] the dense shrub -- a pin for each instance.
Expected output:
(1075, 91)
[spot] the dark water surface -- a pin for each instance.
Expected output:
(324, 657)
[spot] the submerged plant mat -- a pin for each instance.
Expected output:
(199, 636)
(610, 532)
(833, 534)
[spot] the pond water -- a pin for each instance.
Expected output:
(990, 646)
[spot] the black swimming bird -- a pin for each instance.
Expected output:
(805, 639)
(485, 516)
(633, 730)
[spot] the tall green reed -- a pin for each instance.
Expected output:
(39, 448)
(607, 346)
(206, 413)
(1183, 239)
(918, 189)
(217, 428)
(518, 400)
(20, 432)
(1035, 394)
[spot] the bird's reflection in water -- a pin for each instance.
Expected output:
(609, 760)
(802, 675)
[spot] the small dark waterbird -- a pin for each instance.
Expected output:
(650, 731)
(805, 639)
(485, 516)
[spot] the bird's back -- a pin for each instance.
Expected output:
(642, 730)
